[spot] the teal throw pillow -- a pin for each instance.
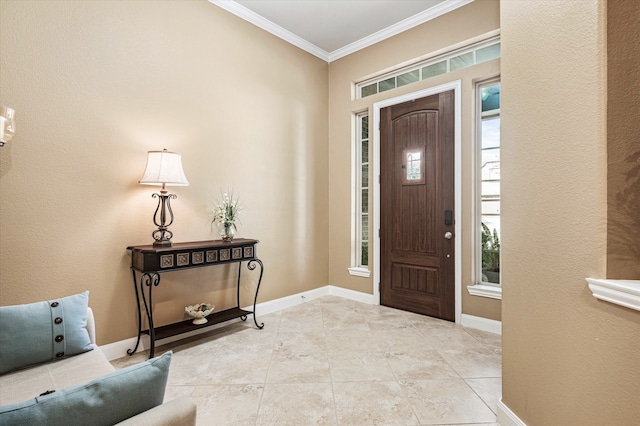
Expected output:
(42, 331)
(105, 401)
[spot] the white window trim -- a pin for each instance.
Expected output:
(356, 202)
(485, 290)
(360, 271)
(481, 288)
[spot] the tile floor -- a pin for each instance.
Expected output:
(333, 361)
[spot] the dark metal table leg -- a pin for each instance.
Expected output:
(150, 280)
(244, 317)
(251, 266)
(135, 287)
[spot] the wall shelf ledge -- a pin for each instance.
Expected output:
(621, 292)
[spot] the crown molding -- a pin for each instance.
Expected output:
(259, 21)
(404, 25)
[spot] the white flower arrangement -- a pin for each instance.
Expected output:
(225, 213)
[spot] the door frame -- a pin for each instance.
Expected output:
(456, 86)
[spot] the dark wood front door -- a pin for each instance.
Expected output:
(417, 206)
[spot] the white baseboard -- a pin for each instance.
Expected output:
(358, 296)
(276, 305)
(485, 324)
(506, 417)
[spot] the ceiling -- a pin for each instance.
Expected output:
(331, 29)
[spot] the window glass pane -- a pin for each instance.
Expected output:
(491, 171)
(410, 77)
(491, 221)
(413, 166)
(365, 201)
(491, 207)
(365, 175)
(490, 190)
(434, 69)
(364, 254)
(365, 227)
(461, 61)
(365, 151)
(490, 97)
(490, 133)
(491, 249)
(487, 53)
(387, 84)
(490, 154)
(369, 90)
(365, 127)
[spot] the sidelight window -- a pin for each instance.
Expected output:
(360, 263)
(488, 188)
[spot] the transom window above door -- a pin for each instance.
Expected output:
(453, 60)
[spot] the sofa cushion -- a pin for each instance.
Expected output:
(27, 383)
(104, 401)
(42, 331)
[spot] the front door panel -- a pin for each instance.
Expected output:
(416, 191)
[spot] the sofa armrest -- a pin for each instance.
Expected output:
(178, 412)
(91, 326)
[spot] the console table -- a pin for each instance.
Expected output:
(148, 262)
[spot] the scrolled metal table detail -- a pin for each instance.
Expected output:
(150, 280)
(251, 265)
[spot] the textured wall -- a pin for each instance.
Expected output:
(462, 24)
(568, 359)
(98, 84)
(623, 139)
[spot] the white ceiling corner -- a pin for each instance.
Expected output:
(259, 21)
(305, 26)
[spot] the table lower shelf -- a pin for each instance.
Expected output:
(188, 325)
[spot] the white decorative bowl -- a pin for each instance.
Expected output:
(199, 312)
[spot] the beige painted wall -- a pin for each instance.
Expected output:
(470, 21)
(623, 139)
(98, 84)
(567, 358)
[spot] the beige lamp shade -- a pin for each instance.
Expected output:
(164, 168)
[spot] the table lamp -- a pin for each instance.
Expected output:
(163, 168)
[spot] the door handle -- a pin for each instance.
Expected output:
(448, 235)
